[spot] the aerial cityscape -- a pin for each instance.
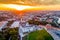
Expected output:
(32, 25)
(29, 19)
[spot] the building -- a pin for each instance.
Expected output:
(15, 24)
(26, 29)
(58, 21)
(3, 24)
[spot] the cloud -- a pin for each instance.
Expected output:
(31, 2)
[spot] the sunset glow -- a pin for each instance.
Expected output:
(13, 6)
(24, 7)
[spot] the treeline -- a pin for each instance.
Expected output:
(9, 34)
(54, 24)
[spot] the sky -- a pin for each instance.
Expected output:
(31, 2)
(23, 7)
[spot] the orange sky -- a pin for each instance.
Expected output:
(20, 9)
(23, 7)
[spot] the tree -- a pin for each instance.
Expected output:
(10, 33)
(37, 22)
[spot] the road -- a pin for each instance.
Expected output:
(54, 33)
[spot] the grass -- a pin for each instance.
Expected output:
(40, 35)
